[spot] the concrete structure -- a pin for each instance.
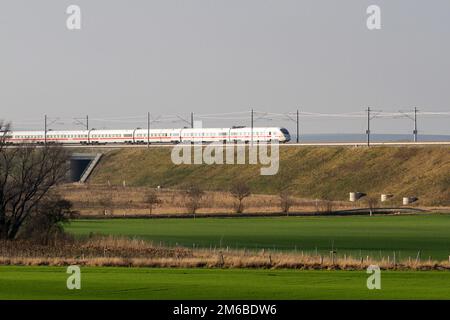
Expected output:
(409, 200)
(356, 196)
(81, 166)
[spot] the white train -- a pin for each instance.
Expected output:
(140, 136)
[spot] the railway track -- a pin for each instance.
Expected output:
(282, 145)
(349, 144)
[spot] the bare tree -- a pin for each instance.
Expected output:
(372, 203)
(324, 206)
(194, 195)
(284, 186)
(27, 174)
(152, 200)
(240, 190)
(286, 200)
(106, 202)
(48, 219)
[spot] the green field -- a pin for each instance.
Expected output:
(126, 283)
(358, 235)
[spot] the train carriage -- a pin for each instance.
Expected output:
(143, 136)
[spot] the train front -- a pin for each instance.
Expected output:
(286, 137)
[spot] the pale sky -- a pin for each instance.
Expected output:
(212, 56)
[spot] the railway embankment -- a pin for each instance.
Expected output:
(310, 172)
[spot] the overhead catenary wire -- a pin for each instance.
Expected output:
(241, 117)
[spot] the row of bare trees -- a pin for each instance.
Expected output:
(28, 203)
(195, 196)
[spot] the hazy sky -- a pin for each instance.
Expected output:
(212, 56)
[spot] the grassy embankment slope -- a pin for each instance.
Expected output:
(312, 172)
(144, 283)
(376, 236)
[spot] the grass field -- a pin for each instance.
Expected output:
(127, 283)
(376, 236)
